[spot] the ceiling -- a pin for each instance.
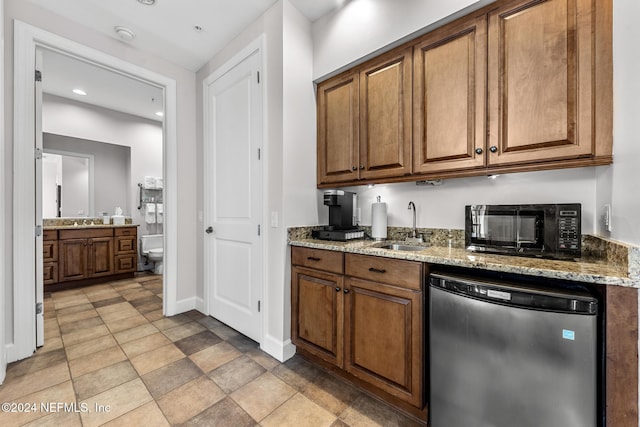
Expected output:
(166, 29)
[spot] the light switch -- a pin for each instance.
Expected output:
(606, 217)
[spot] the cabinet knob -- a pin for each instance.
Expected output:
(478, 150)
(353, 168)
(493, 148)
(361, 167)
(337, 289)
(346, 291)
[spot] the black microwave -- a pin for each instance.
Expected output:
(543, 230)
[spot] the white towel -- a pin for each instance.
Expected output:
(159, 182)
(159, 213)
(150, 213)
(149, 182)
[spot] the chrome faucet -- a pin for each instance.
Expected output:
(414, 236)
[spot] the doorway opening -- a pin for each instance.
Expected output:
(27, 41)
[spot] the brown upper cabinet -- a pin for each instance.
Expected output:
(542, 83)
(364, 121)
(516, 86)
(450, 97)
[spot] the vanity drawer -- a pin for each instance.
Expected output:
(319, 259)
(407, 274)
(49, 251)
(125, 263)
(49, 273)
(125, 231)
(85, 233)
(49, 235)
(125, 244)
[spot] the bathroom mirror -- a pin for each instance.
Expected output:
(67, 184)
(83, 178)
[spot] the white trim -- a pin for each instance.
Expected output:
(26, 39)
(280, 350)
(3, 277)
(201, 306)
(257, 45)
(186, 304)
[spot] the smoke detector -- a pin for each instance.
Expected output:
(124, 33)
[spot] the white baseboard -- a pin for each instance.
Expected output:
(200, 305)
(280, 350)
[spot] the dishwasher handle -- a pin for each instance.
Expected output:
(518, 296)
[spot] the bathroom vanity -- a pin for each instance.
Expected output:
(81, 255)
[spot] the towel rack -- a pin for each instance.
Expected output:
(149, 195)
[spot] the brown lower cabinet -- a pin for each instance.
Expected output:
(368, 321)
(88, 255)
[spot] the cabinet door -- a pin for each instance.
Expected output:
(317, 313)
(100, 252)
(49, 273)
(384, 338)
(338, 129)
(541, 81)
(73, 261)
(450, 97)
(385, 116)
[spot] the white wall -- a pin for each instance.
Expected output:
(3, 281)
(618, 184)
(185, 129)
(363, 27)
(299, 135)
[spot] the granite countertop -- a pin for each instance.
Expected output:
(583, 270)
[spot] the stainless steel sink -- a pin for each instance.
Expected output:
(400, 247)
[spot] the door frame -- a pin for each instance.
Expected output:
(3, 171)
(257, 45)
(26, 39)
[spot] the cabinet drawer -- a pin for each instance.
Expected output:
(49, 251)
(125, 244)
(50, 273)
(407, 274)
(85, 233)
(319, 259)
(125, 263)
(125, 231)
(50, 235)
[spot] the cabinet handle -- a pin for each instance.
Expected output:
(337, 289)
(377, 270)
(312, 258)
(493, 148)
(353, 168)
(478, 150)
(346, 291)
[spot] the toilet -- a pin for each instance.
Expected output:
(152, 249)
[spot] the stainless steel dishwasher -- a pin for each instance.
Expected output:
(505, 355)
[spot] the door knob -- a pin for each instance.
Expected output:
(209, 230)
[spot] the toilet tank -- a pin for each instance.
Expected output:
(151, 241)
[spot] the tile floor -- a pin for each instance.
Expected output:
(111, 358)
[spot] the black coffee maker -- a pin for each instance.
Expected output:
(342, 217)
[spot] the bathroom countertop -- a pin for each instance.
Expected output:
(78, 227)
(582, 270)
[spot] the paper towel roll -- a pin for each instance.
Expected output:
(379, 221)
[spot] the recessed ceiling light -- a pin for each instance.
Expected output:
(147, 2)
(159, 113)
(124, 33)
(79, 92)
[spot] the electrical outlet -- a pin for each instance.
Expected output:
(606, 217)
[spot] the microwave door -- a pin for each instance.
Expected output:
(529, 229)
(495, 228)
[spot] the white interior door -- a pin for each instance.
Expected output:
(38, 203)
(233, 187)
